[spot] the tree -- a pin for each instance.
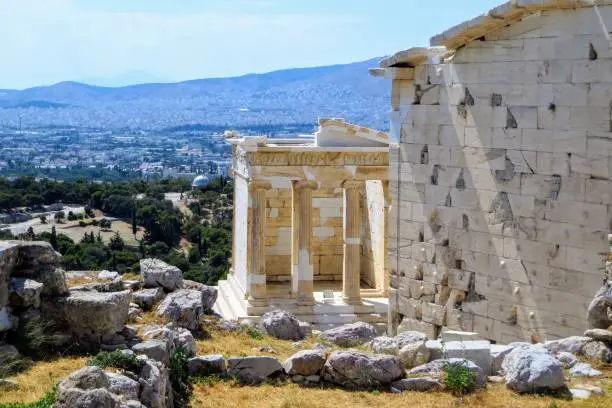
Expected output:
(30, 236)
(43, 219)
(59, 217)
(116, 242)
(105, 223)
(53, 239)
(134, 226)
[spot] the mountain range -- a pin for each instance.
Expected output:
(285, 97)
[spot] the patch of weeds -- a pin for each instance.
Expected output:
(209, 380)
(376, 393)
(117, 359)
(35, 338)
(182, 388)
(255, 333)
(459, 378)
(15, 365)
(46, 401)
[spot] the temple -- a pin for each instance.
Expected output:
(309, 232)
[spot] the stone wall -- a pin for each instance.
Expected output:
(501, 182)
(373, 250)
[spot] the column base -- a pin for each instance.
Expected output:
(304, 301)
(258, 302)
(352, 300)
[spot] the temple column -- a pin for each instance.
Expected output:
(301, 252)
(256, 279)
(352, 241)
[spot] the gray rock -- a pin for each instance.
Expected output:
(594, 390)
(305, 362)
(356, 370)
(209, 293)
(112, 286)
(87, 378)
(132, 285)
(186, 340)
(157, 350)
(350, 335)
(573, 344)
(108, 275)
(435, 369)
(584, 370)
(580, 394)
(183, 307)
(77, 398)
(6, 320)
(477, 351)
(413, 354)
(417, 384)
(123, 386)
(498, 353)
(253, 370)
(567, 359)
(207, 365)
(156, 273)
(147, 298)
(282, 325)
(91, 316)
(134, 313)
(597, 350)
(599, 312)
(154, 385)
(408, 337)
(25, 292)
(602, 335)
(533, 370)
(313, 379)
(384, 345)
(131, 404)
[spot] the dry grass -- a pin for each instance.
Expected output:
(91, 277)
(40, 379)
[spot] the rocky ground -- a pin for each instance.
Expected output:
(151, 320)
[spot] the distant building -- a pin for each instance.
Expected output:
(200, 182)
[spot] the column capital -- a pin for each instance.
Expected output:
(259, 185)
(350, 184)
(302, 184)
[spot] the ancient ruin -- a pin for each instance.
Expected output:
(500, 177)
(310, 226)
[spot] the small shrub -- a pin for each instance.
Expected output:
(46, 401)
(209, 380)
(255, 333)
(459, 378)
(117, 359)
(179, 378)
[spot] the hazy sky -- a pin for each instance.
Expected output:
(47, 41)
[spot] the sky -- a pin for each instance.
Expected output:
(115, 42)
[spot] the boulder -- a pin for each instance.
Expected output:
(183, 307)
(155, 391)
(417, 384)
(282, 325)
(603, 335)
(413, 354)
(123, 386)
(599, 312)
(112, 286)
(156, 273)
(108, 275)
(350, 335)
(455, 335)
(207, 365)
(533, 370)
(132, 285)
(209, 293)
(76, 398)
(584, 370)
(147, 298)
(134, 313)
(356, 370)
(173, 335)
(91, 316)
(157, 350)
(253, 370)
(305, 363)
(573, 344)
(87, 378)
(435, 369)
(384, 345)
(25, 292)
(408, 337)
(6, 319)
(38, 261)
(567, 359)
(596, 350)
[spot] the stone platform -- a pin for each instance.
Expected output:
(323, 315)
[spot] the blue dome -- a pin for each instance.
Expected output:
(200, 181)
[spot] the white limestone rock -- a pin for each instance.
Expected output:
(584, 370)
(156, 273)
(478, 351)
(356, 370)
(183, 307)
(147, 298)
(420, 384)
(155, 391)
(567, 359)
(123, 386)
(408, 337)
(599, 313)
(282, 325)
(435, 369)
(209, 293)
(533, 370)
(498, 354)
(25, 292)
(384, 345)
(108, 275)
(413, 354)
(305, 363)
(157, 350)
(350, 335)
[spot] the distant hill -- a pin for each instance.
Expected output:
(299, 95)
